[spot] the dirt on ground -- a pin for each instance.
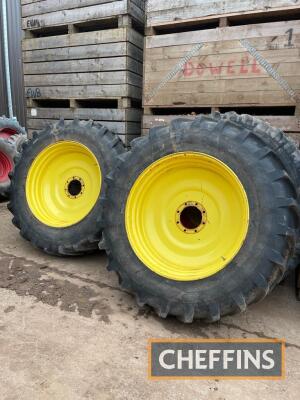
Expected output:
(67, 331)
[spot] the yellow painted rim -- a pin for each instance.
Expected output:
(63, 184)
(187, 216)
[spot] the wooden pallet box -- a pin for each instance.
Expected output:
(83, 59)
(248, 65)
(174, 13)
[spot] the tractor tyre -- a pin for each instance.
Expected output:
(57, 184)
(10, 127)
(201, 217)
(287, 150)
(9, 150)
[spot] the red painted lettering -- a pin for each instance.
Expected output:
(230, 69)
(200, 69)
(255, 68)
(188, 69)
(215, 70)
(244, 62)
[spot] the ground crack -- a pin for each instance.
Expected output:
(256, 333)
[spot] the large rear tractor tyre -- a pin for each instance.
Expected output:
(57, 184)
(9, 150)
(286, 150)
(10, 127)
(202, 217)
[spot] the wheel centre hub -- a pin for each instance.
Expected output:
(74, 187)
(191, 217)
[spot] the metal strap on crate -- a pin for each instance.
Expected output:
(269, 69)
(174, 71)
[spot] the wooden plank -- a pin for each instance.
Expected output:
(251, 85)
(78, 15)
(188, 99)
(286, 123)
(46, 6)
(84, 92)
(78, 52)
(169, 11)
(230, 68)
(265, 43)
(85, 38)
(33, 7)
(88, 65)
(271, 29)
(99, 114)
(87, 78)
(29, 1)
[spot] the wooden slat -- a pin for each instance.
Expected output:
(271, 29)
(228, 69)
(85, 38)
(286, 123)
(223, 46)
(188, 99)
(99, 114)
(252, 84)
(169, 11)
(84, 92)
(83, 14)
(88, 78)
(88, 65)
(79, 52)
(46, 6)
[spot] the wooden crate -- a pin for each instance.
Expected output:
(99, 64)
(54, 13)
(93, 54)
(249, 65)
(169, 14)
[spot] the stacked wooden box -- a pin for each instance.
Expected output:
(223, 55)
(83, 59)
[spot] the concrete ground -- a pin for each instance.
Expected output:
(68, 332)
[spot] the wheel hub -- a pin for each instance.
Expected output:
(5, 167)
(191, 217)
(74, 187)
(5, 133)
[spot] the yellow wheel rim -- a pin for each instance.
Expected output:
(63, 184)
(187, 216)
